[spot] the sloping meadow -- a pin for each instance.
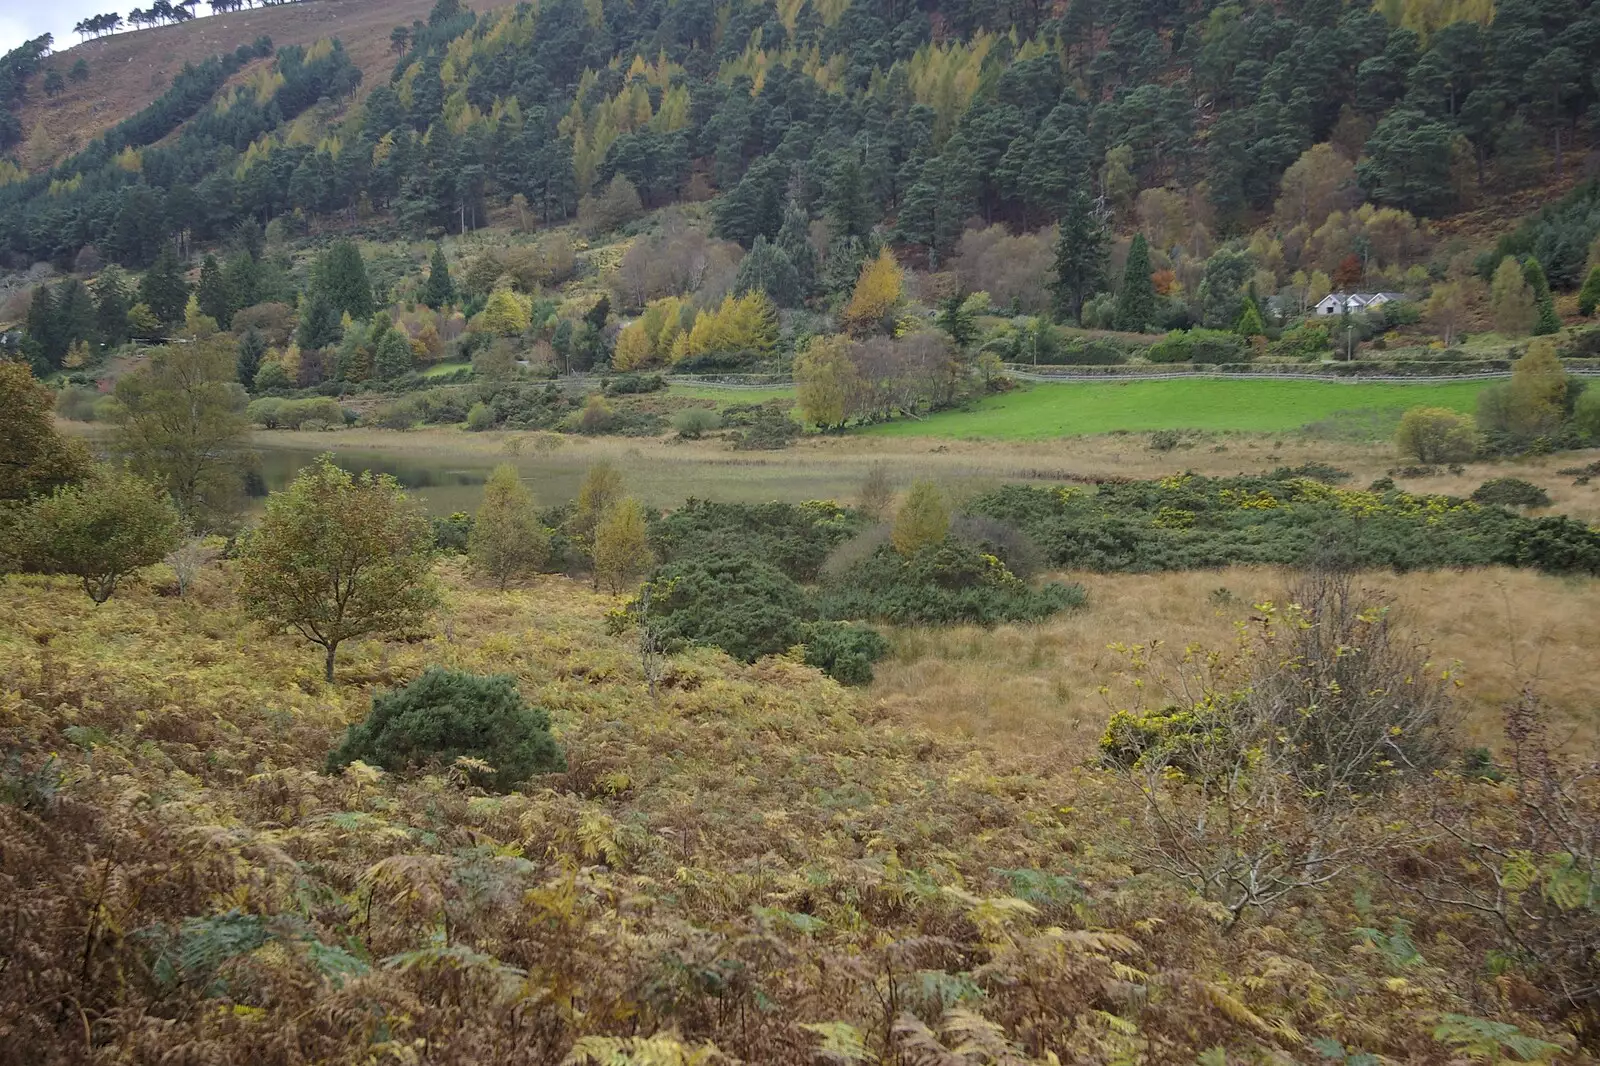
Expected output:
(754, 858)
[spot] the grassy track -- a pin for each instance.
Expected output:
(1073, 409)
(728, 397)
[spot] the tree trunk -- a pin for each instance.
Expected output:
(327, 673)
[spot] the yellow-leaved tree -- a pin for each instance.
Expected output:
(923, 520)
(505, 314)
(876, 297)
(507, 538)
(600, 490)
(746, 324)
(622, 546)
(826, 381)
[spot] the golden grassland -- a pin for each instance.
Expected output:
(1039, 687)
(757, 859)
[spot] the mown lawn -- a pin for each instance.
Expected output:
(1077, 408)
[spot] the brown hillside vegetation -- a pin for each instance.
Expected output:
(756, 866)
(129, 70)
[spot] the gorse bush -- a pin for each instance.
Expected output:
(1190, 522)
(445, 715)
(946, 583)
(843, 651)
(1510, 492)
(793, 537)
(745, 607)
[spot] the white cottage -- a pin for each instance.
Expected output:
(1336, 302)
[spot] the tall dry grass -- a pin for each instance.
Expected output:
(1051, 686)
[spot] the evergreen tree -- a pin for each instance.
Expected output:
(848, 205)
(213, 293)
(163, 289)
(1546, 320)
(75, 313)
(242, 276)
(440, 291)
(341, 277)
(392, 355)
(1589, 295)
(320, 323)
(957, 320)
(794, 241)
(1136, 301)
(252, 346)
(1081, 251)
(40, 341)
(766, 269)
(113, 294)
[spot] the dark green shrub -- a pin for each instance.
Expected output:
(1205, 346)
(745, 607)
(451, 534)
(770, 429)
(1211, 347)
(1510, 492)
(794, 538)
(1279, 520)
(943, 584)
(843, 651)
(445, 714)
(635, 384)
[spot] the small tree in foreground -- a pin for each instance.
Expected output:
(622, 546)
(1260, 773)
(447, 715)
(1436, 435)
(507, 538)
(101, 530)
(337, 557)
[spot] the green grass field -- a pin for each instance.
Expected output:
(1252, 405)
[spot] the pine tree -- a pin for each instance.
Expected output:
(1545, 319)
(113, 294)
(1250, 323)
(794, 241)
(215, 300)
(392, 356)
(162, 289)
(1080, 265)
(767, 269)
(341, 277)
(252, 346)
(1589, 295)
(320, 323)
(1136, 301)
(440, 290)
(957, 320)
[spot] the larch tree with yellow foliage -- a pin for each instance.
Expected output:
(877, 296)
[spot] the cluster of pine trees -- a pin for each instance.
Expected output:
(926, 115)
